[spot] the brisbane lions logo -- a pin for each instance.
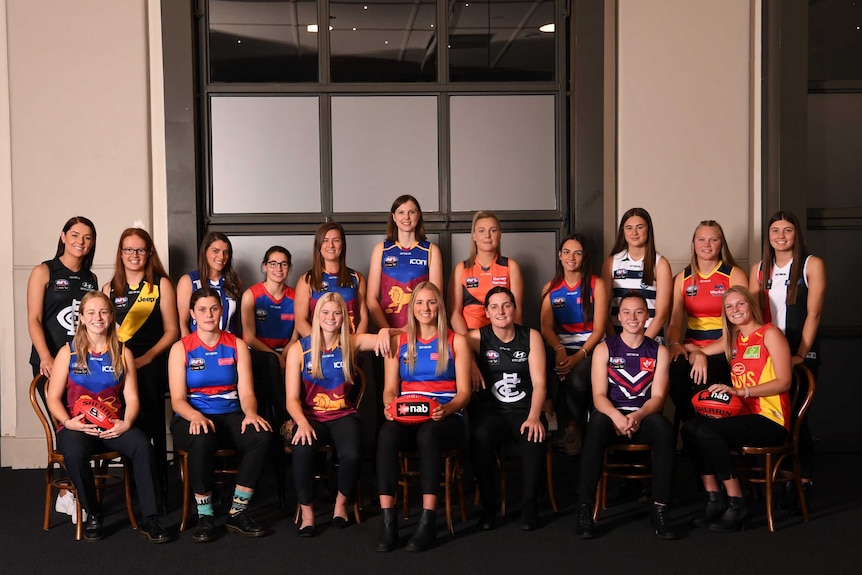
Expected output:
(399, 298)
(323, 402)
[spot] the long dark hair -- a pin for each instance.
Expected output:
(153, 269)
(87, 261)
(314, 276)
(232, 283)
(800, 252)
(392, 229)
(620, 242)
(586, 272)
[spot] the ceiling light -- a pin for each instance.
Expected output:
(549, 28)
(313, 28)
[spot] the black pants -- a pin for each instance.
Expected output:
(253, 444)
(487, 432)
(710, 441)
(575, 389)
(269, 387)
(77, 447)
(431, 439)
(152, 384)
(345, 434)
(682, 388)
(654, 430)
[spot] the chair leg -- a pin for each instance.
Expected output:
(768, 483)
(49, 479)
(186, 487)
(357, 507)
(448, 494)
(127, 480)
(460, 479)
(405, 473)
(800, 494)
(79, 526)
(504, 487)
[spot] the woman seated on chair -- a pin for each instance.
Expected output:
(435, 362)
(760, 374)
(94, 365)
(512, 362)
(213, 398)
(630, 383)
(320, 374)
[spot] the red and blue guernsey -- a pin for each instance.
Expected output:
(630, 372)
(273, 318)
(350, 294)
(423, 378)
(402, 269)
(328, 398)
(94, 379)
(569, 322)
(211, 374)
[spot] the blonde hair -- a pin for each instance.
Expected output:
(442, 330)
(81, 341)
(343, 338)
(474, 250)
(731, 330)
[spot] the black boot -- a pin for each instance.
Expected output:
(529, 514)
(661, 521)
(716, 504)
(586, 526)
(488, 517)
(732, 519)
(389, 531)
(426, 533)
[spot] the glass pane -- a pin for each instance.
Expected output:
(383, 40)
(503, 153)
(379, 144)
(834, 40)
(266, 41)
(501, 40)
(265, 154)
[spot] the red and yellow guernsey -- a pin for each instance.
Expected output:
(751, 365)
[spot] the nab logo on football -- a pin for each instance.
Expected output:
(418, 408)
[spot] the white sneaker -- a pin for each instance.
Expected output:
(65, 504)
(75, 517)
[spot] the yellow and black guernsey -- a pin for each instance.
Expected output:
(139, 316)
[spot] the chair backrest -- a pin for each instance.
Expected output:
(801, 394)
(38, 389)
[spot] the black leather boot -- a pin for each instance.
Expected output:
(426, 533)
(389, 531)
(716, 504)
(661, 522)
(733, 518)
(529, 514)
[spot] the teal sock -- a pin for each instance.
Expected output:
(205, 506)
(240, 501)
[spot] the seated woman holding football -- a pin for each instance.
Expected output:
(760, 374)
(95, 369)
(212, 394)
(434, 363)
(320, 373)
(511, 358)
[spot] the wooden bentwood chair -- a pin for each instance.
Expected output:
(102, 476)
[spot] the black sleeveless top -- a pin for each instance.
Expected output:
(506, 369)
(139, 316)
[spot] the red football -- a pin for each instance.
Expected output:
(718, 404)
(95, 412)
(412, 408)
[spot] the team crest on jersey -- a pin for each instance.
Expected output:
(390, 262)
(738, 368)
(61, 285)
(691, 290)
(260, 314)
(647, 364)
(226, 361)
(617, 362)
(752, 352)
(120, 301)
(620, 274)
(471, 282)
(558, 302)
(197, 364)
(492, 357)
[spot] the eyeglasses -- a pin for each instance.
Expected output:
(130, 251)
(274, 264)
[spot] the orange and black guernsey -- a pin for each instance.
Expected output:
(476, 282)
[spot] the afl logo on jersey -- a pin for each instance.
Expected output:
(390, 262)
(79, 369)
(120, 301)
(492, 357)
(61, 285)
(617, 362)
(691, 290)
(260, 314)
(620, 274)
(558, 302)
(197, 364)
(471, 283)
(324, 286)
